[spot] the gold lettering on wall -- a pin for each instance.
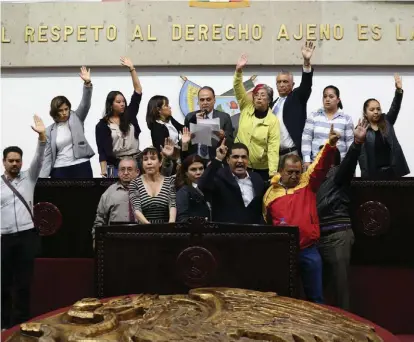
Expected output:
(81, 33)
(362, 32)
(376, 32)
(257, 32)
(202, 32)
(243, 32)
(55, 31)
(29, 34)
(111, 33)
(41, 34)
(4, 38)
(299, 36)
(398, 35)
(176, 32)
(217, 32)
(230, 36)
(137, 34)
(150, 38)
(338, 32)
(283, 33)
(68, 31)
(325, 32)
(310, 32)
(96, 28)
(189, 32)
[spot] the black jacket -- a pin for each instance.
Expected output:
(159, 132)
(333, 196)
(398, 162)
(225, 125)
(191, 202)
(103, 132)
(219, 183)
(294, 109)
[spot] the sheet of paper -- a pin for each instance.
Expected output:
(202, 134)
(213, 123)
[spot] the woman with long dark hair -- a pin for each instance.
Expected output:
(118, 131)
(382, 156)
(318, 125)
(161, 122)
(190, 200)
(68, 153)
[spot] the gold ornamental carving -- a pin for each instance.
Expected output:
(205, 314)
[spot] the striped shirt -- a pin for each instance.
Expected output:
(316, 133)
(156, 209)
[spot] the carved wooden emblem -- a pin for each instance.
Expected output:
(205, 314)
(196, 266)
(374, 218)
(47, 218)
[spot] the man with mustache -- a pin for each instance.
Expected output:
(236, 193)
(19, 239)
(114, 205)
(291, 200)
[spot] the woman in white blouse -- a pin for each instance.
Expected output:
(68, 153)
(161, 123)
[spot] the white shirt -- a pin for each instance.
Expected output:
(123, 145)
(172, 131)
(64, 145)
(285, 139)
(246, 188)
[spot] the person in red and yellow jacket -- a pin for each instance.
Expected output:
(291, 199)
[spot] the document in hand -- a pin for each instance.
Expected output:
(202, 134)
(204, 131)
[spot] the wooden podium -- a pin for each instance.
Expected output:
(173, 258)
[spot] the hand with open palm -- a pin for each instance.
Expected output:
(85, 74)
(241, 63)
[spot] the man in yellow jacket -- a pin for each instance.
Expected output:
(258, 127)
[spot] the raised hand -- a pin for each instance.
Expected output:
(307, 50)
(398, 81)
(186, 136)
(333, 136)
(39, 126)
(360, 131)
(241, 63)
(125, 61)
(221, 151)
(168, 150)
(85, 74)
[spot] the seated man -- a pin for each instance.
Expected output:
(206, 101)
(114, 205)
(291, 200)
(236, 193)
(337, 237)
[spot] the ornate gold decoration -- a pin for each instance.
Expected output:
(205, 314)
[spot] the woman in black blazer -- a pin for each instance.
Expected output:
(190, 201)
(382, 156)
(161, 123)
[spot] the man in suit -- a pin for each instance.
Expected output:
(236, 194)
(206, 102)
(290, 106)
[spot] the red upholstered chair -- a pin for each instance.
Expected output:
(60, 282)
(406, 338)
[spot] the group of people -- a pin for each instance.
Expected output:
(282, 167)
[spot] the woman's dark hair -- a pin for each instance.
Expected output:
(150, 150)
(337, 93)
(123, 119)
(153, 110)
(55, 104)
(382, 126)
(181, 178)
